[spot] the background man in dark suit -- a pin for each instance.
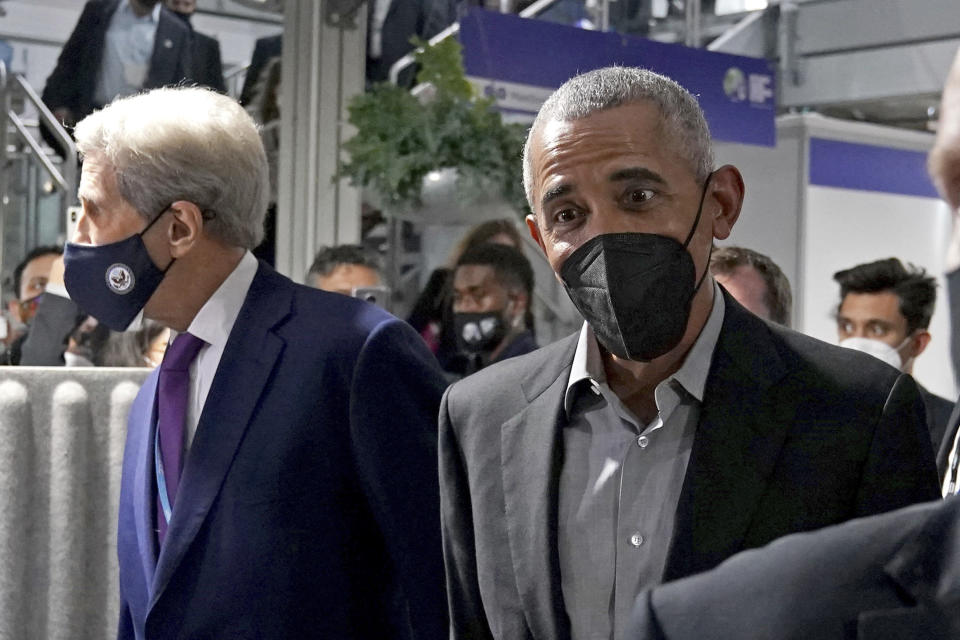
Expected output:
(755, 281)
(117, 48)
(207, 64)
(885, 310)
(676, 429)
(279, 474)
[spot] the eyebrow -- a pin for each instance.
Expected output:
(556, 192)
(622, 175)
(636, 173)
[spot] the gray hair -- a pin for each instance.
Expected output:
(185, 143)
(589, 93)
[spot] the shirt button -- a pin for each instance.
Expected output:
(636, 539)
(643, 441)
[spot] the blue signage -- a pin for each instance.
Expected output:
(521, 61)
(867, 167)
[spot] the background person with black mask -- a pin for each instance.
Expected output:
(492, 291)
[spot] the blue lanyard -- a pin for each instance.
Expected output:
(161, 480)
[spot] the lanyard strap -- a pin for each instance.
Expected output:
(952, 472)
(161, 479)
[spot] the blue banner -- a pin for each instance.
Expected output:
(867, 167)
(521, 61)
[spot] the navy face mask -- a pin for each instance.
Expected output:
(112, 282)
(635, 289)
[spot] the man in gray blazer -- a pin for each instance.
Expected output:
(675, 429)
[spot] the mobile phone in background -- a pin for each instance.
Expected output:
(379, 296)
(73, 217)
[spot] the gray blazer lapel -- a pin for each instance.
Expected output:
(245, 368)
(532, 457)
(735, 447)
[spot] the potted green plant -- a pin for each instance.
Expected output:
(403, 141)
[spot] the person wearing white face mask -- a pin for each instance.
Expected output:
(885, 310)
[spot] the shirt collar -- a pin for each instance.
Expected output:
(692, 374)
(154, 15)
(216, 317)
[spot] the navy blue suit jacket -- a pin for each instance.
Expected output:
(308, 505)
(895, 575)
(73, 81)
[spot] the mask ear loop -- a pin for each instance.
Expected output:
(152, 222)
(693, 229)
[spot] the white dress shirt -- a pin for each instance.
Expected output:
(127, 51)
(213, 324)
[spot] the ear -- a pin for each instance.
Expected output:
(13, 307)
(187, 228)
(726, 199)
(920, 342)
(534, 230)
(520, 301)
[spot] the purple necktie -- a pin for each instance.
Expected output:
(173, 390)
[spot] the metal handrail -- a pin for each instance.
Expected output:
(42, 157)
(454, 28)
(68, 178)
(4, 108)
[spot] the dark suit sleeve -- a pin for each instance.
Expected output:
(47, 339)
(62, 88)
(643, 622)
(900, 469)
(394, 400)
(468, 620)
(210, 64)
(263, 51)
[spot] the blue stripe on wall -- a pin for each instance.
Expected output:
(869, 167)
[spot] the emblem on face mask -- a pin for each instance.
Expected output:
(120, 278)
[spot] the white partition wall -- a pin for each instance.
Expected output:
(833, 194)
(62, 432)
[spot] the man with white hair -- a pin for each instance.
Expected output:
(676, 428)
(279, 475)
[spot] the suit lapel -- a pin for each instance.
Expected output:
(532, 458)
(242, 376)
(144, 504)
(167, 44)
(736, 445)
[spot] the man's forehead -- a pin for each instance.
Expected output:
(471, 275)
(881, 305)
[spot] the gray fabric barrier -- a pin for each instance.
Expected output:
(62, 433)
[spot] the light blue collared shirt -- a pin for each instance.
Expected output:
(127, 50)
(621, 480)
